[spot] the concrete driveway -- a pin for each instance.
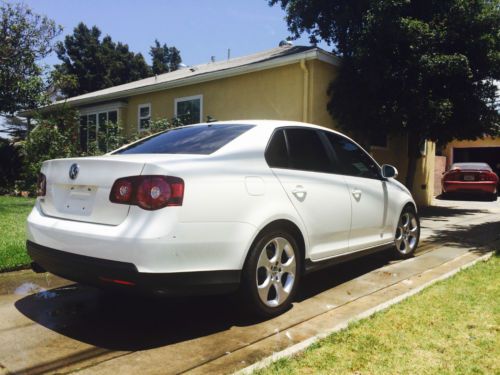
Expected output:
(51, 325)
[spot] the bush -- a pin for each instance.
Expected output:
(44, 142)
(10, 166)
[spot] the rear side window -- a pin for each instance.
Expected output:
(276, 153)
(203, 139)
(307, 151)
(352, 159)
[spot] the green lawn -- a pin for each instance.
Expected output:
(453, 327)
(13, 213)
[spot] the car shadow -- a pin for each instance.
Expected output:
(129, 322)
(470, 197)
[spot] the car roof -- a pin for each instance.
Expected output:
(272, 124)
(472, 166)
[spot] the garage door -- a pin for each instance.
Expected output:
(490, 155)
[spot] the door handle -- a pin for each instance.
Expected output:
(356, 193)
(299, 192)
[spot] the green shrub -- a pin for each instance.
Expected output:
(46, 141)
(10, 166)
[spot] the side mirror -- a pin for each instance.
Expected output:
(388, 171)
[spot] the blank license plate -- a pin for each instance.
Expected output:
(468, 177)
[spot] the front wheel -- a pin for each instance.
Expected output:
(407, 233)
(272, 273)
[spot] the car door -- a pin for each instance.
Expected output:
(302, 161)
(370, 221)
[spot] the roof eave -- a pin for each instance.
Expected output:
(204, 77)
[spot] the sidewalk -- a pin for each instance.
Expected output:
(74, 328)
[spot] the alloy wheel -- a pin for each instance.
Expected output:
(276, 272)
(407, 233)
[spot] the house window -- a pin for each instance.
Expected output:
(94, 124)
(144, 116)
(189, 110)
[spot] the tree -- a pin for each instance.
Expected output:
(25, 38)
(90, 64)
(164, 59)
(422, 68)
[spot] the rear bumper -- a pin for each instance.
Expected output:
(150, 242)
(103, 272)
(487, 187)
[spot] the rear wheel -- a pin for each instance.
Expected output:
(272, 273)
(407, 233)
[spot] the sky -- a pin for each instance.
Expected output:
(199, 29)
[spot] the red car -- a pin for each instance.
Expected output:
(470, 178)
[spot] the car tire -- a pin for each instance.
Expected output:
(272, 273)
(492, 197)
(407, 233)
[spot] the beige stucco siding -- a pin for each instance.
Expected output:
(322, 74)
(268, 94)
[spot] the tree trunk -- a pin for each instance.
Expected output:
(413, 155)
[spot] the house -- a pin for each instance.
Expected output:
(285, 83)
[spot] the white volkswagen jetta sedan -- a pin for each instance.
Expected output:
(213, 207)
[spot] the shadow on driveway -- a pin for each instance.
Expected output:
(131, 322)
(484, 237)
(433, 212)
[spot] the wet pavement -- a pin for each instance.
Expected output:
(50, 325)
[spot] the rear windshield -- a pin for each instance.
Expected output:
(203, 139)
(480, 166)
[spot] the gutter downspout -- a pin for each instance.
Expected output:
(305, 99)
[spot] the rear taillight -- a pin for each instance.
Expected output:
(488, 176)
(453, 175)
(148, 192)
(41, 185)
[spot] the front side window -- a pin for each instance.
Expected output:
(189, 109)
(352, 160)
(203, 139)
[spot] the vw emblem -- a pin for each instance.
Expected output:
(73, 171)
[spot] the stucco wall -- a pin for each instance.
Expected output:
(396, 154)
(268, 94)
(321, 74)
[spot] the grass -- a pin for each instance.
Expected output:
(450, 328)
(13, 214)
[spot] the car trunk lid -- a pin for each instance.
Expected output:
(86, 196)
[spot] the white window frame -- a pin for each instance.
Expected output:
(97, 110)
(188, 98)
(139, 118)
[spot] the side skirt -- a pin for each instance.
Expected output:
(311, 266)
